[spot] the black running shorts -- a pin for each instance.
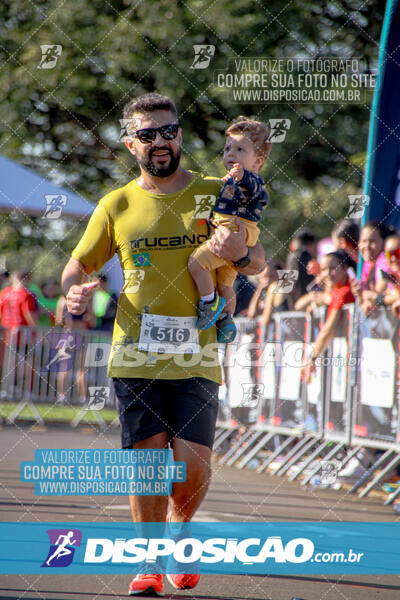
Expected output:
(184, 408)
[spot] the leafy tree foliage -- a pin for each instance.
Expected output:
(64, 122)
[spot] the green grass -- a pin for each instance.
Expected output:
(55, 414)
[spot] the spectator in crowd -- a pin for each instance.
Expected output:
(104, 305)
(303, 250)
(389, 289)
(73, 324)
(320, 295)
(371, 245)
(4, 278)
(47, 296)
(264, 279)
(275, 300)
(334, 269)
(345, 237)
(18, 306)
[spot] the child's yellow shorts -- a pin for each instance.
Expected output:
(225, 270)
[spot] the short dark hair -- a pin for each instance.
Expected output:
(256, 131)
(21, 274)
(383, 229)
(148, 103)
(347, 230)
(342, 258)
(305, 236)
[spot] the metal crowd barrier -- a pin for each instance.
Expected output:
(350, 404)
(376, 418)
(267, 418)
(332, 392)
(53, 367)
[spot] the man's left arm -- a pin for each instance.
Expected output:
(231, 245)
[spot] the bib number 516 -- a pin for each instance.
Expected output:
(169, 334)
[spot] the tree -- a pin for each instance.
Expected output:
(63, 122)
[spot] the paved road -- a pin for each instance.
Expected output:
(233, 496)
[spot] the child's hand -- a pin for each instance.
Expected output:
(236, 172)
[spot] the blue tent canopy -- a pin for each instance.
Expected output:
(24, 190)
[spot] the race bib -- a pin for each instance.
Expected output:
(169, 335)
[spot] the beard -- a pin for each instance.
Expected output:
(161, 171)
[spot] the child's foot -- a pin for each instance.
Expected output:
(209, 312)
(226, 329)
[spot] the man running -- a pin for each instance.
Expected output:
(167, 391)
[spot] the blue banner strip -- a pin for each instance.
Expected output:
(224, 548)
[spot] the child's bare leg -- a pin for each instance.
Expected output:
(227, 292)
(211, 304)
(201, 277)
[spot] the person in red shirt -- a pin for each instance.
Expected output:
(18, 306)
(334, 271)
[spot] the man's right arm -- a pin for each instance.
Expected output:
(76, 291)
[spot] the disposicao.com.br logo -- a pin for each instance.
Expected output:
(189, 550)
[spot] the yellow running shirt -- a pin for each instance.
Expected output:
(154, 235)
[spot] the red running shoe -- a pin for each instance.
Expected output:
(182, 581)
(147, 584)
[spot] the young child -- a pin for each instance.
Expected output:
(243, 196)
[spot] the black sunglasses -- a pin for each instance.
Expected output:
(168, 132)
